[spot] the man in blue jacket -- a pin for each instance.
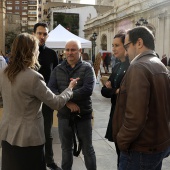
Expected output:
(75, 117)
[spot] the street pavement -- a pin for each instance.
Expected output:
(105, 151)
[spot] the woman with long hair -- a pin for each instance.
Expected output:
(23, 90)
(111, 87)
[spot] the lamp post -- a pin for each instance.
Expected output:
(93, 39)
(141, 22)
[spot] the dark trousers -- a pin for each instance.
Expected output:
(133, 160)
(48, 123)
(107, 67)
(118, 154)
(84, 129)
(22, 158)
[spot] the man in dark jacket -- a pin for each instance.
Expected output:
(75, 117)
(48, 60)
(142, 115)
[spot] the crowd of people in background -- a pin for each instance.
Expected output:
(139, 89)
(86, 58)
(166, 61)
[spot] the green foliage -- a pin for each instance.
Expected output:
(9, 38)
(70, 21)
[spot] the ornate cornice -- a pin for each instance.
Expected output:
(128, 9)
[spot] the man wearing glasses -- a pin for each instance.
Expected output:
(141, 123)
(74, 119)
(48, 61)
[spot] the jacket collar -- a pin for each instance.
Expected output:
(66, 63)
(146, 53)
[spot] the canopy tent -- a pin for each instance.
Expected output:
(59, 36)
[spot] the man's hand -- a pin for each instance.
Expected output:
(73, 107)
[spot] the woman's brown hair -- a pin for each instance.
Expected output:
(24, 54)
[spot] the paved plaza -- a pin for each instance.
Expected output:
(105, 151)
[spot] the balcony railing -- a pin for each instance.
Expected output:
(32, 2)
(32, 18)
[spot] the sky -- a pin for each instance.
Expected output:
(87, 1)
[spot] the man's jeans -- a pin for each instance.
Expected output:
(85, 134)
(141, 161)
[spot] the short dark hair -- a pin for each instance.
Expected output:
(121, 34)
(85, 56)
(43, 24)
(145, 34)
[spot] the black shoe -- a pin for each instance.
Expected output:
(53, 166)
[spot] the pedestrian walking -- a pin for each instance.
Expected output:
(107, 61)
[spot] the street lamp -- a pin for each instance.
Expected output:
(93, 39)
(141, 22)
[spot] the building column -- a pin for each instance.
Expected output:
(2, 26)
(161, 34)
(167, 34)
(51, 19)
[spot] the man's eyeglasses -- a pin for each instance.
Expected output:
(126, 46)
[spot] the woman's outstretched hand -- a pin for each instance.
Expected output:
(73, 83)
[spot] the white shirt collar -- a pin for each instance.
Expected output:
(135, 59)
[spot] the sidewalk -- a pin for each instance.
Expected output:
(105, 151)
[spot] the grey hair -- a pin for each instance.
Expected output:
(75, 41)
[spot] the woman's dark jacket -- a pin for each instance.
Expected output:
(118, 72)
(116, 77)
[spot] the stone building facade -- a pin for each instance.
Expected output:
(2, 26)
(104, 2)
(124, 15)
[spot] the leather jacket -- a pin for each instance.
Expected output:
(141, 119)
